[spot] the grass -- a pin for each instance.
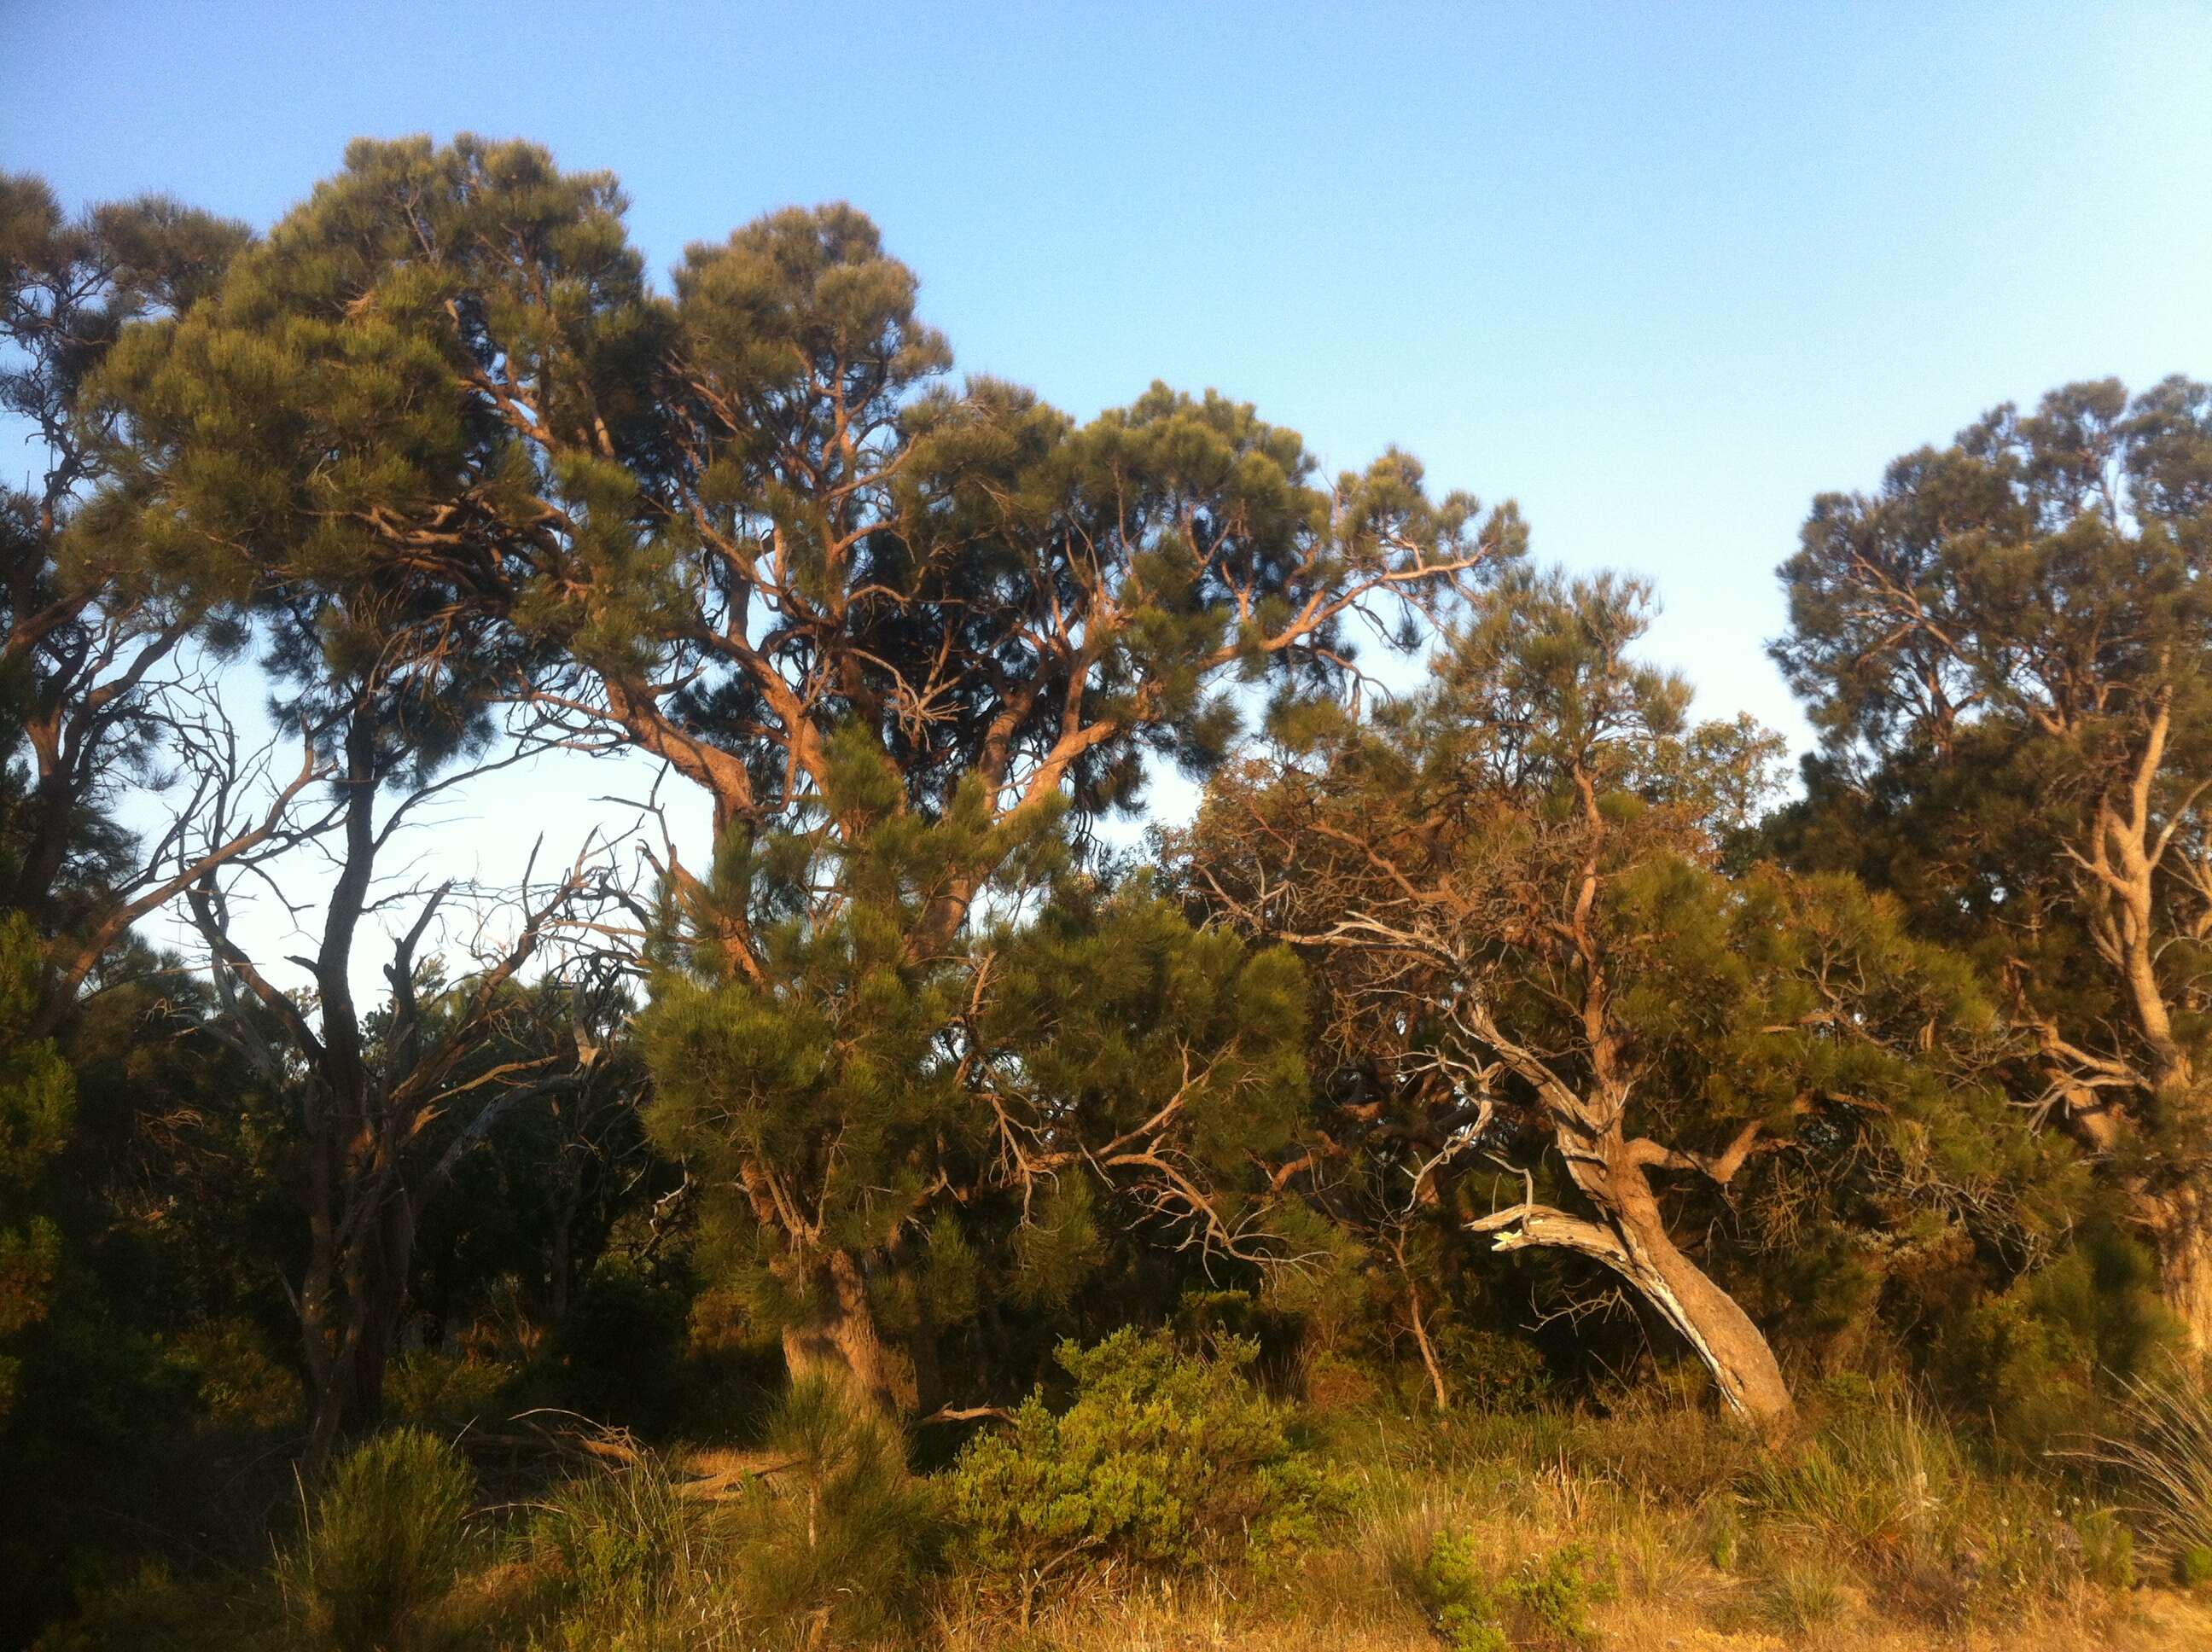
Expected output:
(1538, 1532)
(2160, 1454)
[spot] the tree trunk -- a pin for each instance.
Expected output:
(2179, 1222)
(1630, 1238)
(839, 1344)
(1734, 1349)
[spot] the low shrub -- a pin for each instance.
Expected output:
(384, 1540)
(1162, 1459)
(152, 1610)
(446, 1393)
(1544, 1602)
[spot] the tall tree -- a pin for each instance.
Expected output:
(726, 527)
(91, 637)
(384, 1100)
(2005, 648)
(1532, 958)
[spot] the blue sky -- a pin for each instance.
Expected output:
(1660, 272)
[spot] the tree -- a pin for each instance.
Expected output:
(2004, 648)
(1512, 893)
(385, 1104)
(91, 638)
(910, 1134)
(728, 526)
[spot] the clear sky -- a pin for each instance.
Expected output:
(1661, 273)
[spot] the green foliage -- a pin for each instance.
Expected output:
(1544, 1602)
(240, 1385)
(1160, 1459)
(445, 1393)
(1491, 1370)
(1456, 1588)
(384, 1542)
(37, 1099)
(154, 1610)
(617, 1355)
(2040, 1361)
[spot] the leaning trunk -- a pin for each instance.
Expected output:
(1630, 1237)
(1733, 1348)
(838, 1343)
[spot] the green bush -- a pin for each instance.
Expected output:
(1456, 1591)
(1544, 1602)
(1162, 1459)
(1490, 1371)
(446, 1392)
(1551, 1597)
(384, 1542)
(152, 1610)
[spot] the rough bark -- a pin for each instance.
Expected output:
(1631, 1239)
(840, 1344)
(2179, 1224)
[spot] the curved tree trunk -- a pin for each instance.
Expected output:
(1631, 1240)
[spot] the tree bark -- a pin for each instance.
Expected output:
(1631, 1240)
(840, 1344)
(2179, 1224)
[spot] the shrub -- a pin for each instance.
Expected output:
(1162, 1459)
(618, 1356)
(241, 1384)
(1490, 1371)
(1544, 1602)
(154, 1611)
(1456, 1591)
(383, 1544)
(445, 1392)
(1552, 1597)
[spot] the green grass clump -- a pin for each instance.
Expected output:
(384, 1538)
(2160, 1452)
(838, 1539)
(621, 1552)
